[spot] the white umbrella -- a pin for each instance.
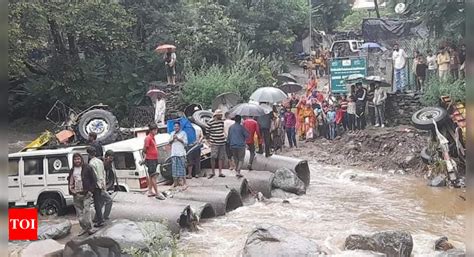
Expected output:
(268, 95)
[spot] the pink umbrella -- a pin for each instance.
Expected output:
(155, 94)
(164, 48)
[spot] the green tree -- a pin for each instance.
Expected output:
(328, 14)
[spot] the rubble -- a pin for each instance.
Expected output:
(391, 148)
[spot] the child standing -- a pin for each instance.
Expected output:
(421, 68)
(331, 121)
(351, 113)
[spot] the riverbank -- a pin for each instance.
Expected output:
(394, 149)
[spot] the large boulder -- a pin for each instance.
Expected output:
(288, 180)
(443, 244)
(42, 248)
(54, 230)
(275, 241)
(124, 236)
(391, 243)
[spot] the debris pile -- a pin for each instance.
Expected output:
(395, 149)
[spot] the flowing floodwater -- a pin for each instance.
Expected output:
(337, 205)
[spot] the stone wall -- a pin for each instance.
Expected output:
(400, 107)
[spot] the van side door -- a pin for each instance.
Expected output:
(14, 180)
(33, 177)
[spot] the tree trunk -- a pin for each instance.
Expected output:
(376, 4)
(57, 38)
(73, 51)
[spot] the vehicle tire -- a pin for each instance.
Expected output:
(100, 121)
(422, 119)
(50, 207)
(189, 110)
(165, 169)
(201, 118)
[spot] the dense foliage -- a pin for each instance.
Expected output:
(84, 53)
(435, 89)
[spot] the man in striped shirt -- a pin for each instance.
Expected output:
(218, 140)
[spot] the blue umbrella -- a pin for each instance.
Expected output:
(370, 45)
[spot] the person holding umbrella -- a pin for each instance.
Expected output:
(170, 63)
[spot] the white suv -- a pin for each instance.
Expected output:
(39, 177)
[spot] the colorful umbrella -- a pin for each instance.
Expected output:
(164, 48)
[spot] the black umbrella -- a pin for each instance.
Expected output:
(286, 77)
(291, 87)
(377, 79)
(225, 101)
(247, 109)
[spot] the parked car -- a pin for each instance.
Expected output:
(39, 177)
(346, 48)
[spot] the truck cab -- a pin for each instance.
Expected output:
(346, 48)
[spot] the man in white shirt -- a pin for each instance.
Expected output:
(399, 62)
(178, 141)
(431, 62)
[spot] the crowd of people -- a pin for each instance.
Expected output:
(447, 63)
(317, 61)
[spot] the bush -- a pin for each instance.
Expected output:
(204, 85)
(435, 89)
(244, 72)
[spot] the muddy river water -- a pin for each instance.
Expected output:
(338, 204)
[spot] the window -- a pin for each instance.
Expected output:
(33, 167)
(124, 161)
(13, 167)
(164, 151)
(58, 164)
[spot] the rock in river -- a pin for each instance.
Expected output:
(275, 241)
(122, 236)
(287, 180)
(54, 230)
(438, 181)
(391, 243)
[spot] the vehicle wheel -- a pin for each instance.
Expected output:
(189, 110)
(50, 207)
(165, 169)
(422, 119)
(201, 118)
(102, 122)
